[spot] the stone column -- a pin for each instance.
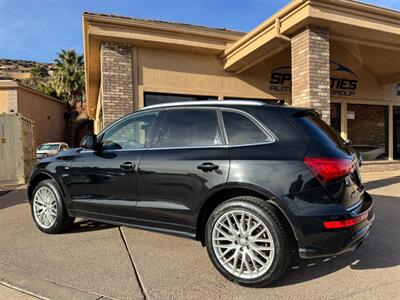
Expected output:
(117, 81)
(311, 70)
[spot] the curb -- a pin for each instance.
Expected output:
(41, 288)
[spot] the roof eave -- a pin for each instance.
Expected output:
(188, 38)
(298, 14)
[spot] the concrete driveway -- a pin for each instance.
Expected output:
(97, 261)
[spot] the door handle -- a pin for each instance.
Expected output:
(207, 167)
(127, 165)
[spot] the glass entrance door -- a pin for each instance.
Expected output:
(396, 132)
(367, 129)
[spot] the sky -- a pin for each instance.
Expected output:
(38, 29)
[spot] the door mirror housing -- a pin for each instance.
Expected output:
(348, 142)
(89, 142)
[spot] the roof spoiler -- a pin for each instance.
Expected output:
(307, 112)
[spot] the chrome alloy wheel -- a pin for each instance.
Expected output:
(45, 207)
(243, 244)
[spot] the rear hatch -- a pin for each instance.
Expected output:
(327, 145)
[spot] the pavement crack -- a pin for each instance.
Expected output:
(140, 281)
(365, 289)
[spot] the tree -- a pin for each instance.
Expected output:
(39, 79)
(68, 78)
(46, 88)
(39, 73)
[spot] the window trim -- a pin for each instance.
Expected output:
(218, 110)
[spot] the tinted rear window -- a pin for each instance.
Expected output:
(241, 130)
(321, 132)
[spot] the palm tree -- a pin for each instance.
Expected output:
(46, 88)
(39, 79)
(39, 73)
(69, 76)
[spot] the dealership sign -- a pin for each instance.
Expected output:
(343, 81)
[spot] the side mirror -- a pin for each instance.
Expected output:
(89, 142)
(348, 142)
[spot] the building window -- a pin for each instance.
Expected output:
(158, 98)
(268, 101)
(367, 129)
(335, 117)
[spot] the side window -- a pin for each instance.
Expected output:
(190, 128)
(241, 130)
(131, 133)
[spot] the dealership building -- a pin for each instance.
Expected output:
(341, 57)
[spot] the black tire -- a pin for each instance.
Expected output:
(280, 235)
(63, 221)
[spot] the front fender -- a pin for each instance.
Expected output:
(40, 174)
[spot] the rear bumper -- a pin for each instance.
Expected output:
(330, 242)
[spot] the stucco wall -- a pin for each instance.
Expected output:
(3, 101)
(48, 115)
(168, 71)
(368, 87)
(180, 72)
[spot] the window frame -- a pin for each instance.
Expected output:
(156, 135)
(268, 133)
(147, 143)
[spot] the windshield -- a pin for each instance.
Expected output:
(48, 147)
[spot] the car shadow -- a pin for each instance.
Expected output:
(86, 226)
(2, 193)
(13, 197)
(379, 250)
(381, 182)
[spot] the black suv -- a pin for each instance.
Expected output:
(255, 183)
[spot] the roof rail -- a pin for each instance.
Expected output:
(206, 103)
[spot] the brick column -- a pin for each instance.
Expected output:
(311, 70)
(116, 80)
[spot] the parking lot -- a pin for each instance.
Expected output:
(97, 261)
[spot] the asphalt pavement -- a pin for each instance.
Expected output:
(97, 261)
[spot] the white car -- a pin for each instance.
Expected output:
(50, 149)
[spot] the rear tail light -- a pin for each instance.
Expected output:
(345, 223)
(329, 169)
